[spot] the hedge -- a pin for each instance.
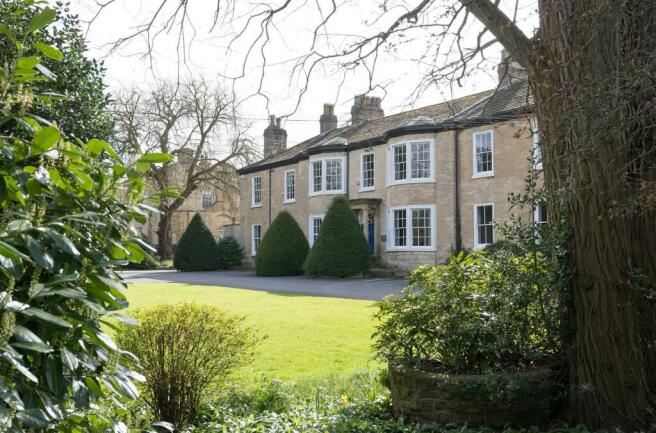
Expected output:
(197, 249)
(230, 252)
(283, 248)
(341, 250)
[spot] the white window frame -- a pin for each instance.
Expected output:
(286, 198)
(408, 168)
(372, 187)
(202, 199)
(253, 203)
(409, 247)
(478, 245)
(536, 214)
(323, 191)
(253, 247)
(311, 219)
(535, 133)
(475, 172)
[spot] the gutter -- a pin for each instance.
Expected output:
(270, 171)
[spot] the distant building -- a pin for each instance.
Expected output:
(423, 183)
(219, 211)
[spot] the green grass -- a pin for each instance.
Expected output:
(305, 336)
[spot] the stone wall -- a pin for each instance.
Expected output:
(466, 399)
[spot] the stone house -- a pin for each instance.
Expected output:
(219, 210)
(424, 183)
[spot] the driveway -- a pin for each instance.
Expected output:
(350, 288)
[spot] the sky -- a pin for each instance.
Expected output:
(206, 51)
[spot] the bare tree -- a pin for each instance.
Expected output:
(592, 74)
(197, 123)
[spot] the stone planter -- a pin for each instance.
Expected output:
(495, 400)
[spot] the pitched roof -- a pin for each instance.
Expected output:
(489, 106)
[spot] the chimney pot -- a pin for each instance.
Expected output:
(328, 120)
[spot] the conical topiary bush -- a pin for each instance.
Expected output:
(197, 249)
(283, 248)
(341, 250)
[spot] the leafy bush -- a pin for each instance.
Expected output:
(283, 248)
(230, 252)
(197, 250)
(341, 249)
(83, 112)
(477, 313)
(66, 208)
(184, 350)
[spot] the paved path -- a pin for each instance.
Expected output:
(350, 288)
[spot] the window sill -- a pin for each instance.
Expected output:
(289, 201)
(368, 189)
(480, 246)
(313, 194)
(253, 206)
(482, 175)
(411, 249)
(411, 181)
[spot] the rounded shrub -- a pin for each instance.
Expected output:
(341, 250)
(184, 351)
(230, 252)
(197, 249)
(283, 249)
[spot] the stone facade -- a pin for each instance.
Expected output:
(218, 210)
(437, 178)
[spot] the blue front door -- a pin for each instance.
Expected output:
(372, 233)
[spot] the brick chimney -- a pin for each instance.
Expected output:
(328, 120)
(509, 71)
(365, 108)
(275, 138)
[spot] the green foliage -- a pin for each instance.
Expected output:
(197, 250)
(477, 313)
(230, 252)
(283, 248)
(184, 350)
(76, 95)
(66, 212)
(335, 407)
(341, 250)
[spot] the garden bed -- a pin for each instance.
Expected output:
(495, 400)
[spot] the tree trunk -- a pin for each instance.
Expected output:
(164, 241)
(593, 81)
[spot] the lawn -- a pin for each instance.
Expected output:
(306, 336)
